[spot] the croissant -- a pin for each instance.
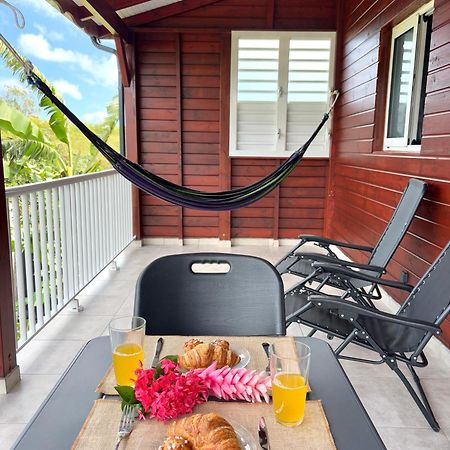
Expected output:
(205, 432)
(175, 443)
(202, 355)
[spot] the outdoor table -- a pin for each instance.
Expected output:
(59, 419)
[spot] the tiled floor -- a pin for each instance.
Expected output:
(42, 361)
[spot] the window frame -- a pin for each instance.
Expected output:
(283, 81)
(411, 117)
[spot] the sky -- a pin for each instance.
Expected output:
(85, 76)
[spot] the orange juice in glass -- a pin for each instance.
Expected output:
(127, 345)
(290, 386)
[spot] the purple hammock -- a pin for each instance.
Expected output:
(171, 192)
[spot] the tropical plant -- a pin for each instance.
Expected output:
(30, 155)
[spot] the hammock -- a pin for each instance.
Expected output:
(164, 189)
(171, 192)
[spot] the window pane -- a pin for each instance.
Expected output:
(258, 70)
(401, 80)
(309, 65)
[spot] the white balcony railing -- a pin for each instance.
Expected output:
(63, 233)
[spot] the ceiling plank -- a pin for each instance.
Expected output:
(167, 11)
(101, 10)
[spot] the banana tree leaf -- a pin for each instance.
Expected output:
(14, 122)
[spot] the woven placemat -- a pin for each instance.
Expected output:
(100, 428)
(173, 345)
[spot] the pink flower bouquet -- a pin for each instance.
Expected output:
(165, 393)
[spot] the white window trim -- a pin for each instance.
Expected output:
(401, 144)
(284, 37)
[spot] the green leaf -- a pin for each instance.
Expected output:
(127, 394)
(159, 370)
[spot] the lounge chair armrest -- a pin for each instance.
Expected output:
(336, 269)
(341, 262)
(325, 242)
(349, 310)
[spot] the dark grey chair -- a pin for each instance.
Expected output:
(185, 294)
(397, 338)
(308, 265)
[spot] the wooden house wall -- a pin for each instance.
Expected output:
(366, 182)
(182, 90)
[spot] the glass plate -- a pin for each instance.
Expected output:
(243, 354)
(246, 439)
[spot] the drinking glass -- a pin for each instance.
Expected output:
(127, 346)
(290, 385)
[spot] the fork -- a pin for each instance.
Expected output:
(126, 423)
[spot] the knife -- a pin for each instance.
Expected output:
(159, 345)
(262, 434)
(266, 349)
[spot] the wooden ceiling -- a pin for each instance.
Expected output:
(108, 18)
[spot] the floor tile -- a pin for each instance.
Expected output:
(438, 393)
(388, 403)
(413, 439)
(21, 403)
(9, 433)
(47, 357)
(98, 305)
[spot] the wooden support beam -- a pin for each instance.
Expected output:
(108, 17)
(8, 362)
(224, 155)
(131, 138)
(122, 61)
(167, 11)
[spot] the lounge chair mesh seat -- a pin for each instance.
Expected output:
(397, 337)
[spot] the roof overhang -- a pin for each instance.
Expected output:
(116, 18)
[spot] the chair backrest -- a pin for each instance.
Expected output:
(399, 223)
(187, 294)
(430, 299)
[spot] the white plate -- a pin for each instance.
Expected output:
(245, 437)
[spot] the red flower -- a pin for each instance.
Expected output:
(171, 395)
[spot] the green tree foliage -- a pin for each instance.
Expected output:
(35, 149)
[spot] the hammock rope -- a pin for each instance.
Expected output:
(162, 188)
(180, 195)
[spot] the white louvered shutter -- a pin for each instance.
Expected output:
(308, 90)
(257, 95)
(279, 92)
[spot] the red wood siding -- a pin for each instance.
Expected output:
(183, 90)
(366, 182)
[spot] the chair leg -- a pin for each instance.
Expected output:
(422, 401)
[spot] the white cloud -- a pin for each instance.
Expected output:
(102, 69)
(66, 88)
(95, 117)
(52, 35)
(10, 82)
(42, 6)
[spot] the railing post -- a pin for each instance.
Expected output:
(9, 371)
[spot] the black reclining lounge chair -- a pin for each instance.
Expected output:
(397, 338)
(361, 290)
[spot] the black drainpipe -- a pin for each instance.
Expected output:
(105, 48)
